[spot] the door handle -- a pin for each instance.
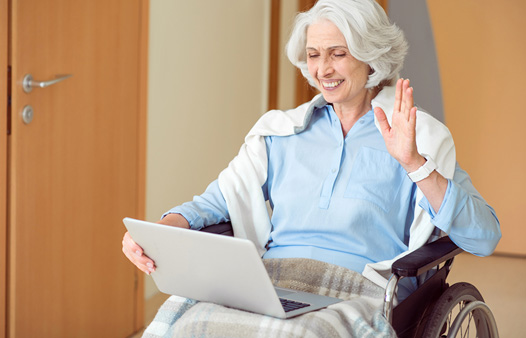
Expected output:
(28, 83)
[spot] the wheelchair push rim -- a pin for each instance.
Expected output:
(461, 312)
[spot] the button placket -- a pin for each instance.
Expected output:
(330, 180)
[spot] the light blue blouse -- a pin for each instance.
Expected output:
(346, 201)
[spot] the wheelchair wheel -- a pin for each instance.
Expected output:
(460, 312)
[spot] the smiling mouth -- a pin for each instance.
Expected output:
(331, 85)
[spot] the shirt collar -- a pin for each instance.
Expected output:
(368, 117)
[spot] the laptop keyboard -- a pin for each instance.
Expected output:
(290, 305)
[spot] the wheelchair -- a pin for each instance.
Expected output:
(435, 309)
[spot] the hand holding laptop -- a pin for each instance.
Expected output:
(135, 253)
(217, 269)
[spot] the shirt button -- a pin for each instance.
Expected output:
(333, 171)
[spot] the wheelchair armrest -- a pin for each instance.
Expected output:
(220, 229)
(425, 258)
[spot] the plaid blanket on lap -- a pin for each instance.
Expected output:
(359, 315)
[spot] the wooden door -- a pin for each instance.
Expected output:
(76, 169)
(4, 28)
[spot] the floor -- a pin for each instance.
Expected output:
(500, 279)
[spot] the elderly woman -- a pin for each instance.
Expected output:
(354, 178)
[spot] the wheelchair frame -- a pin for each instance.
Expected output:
(427, 312)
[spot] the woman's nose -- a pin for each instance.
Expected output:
(325, 67)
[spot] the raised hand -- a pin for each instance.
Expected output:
(400, 136)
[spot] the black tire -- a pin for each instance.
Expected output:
(448, 306)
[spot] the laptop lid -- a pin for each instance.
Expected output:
(213, 268)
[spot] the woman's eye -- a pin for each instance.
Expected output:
(339, 55)
(312, 56)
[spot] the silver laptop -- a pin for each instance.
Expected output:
(218, 269)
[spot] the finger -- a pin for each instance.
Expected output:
(133, 259)
(403, 105)
(385, 128)
(412, 118)
(144, 263)
(130, 245)
(409, 98)
(398, 96)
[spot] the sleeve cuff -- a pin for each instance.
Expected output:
(194, 220)
(443, 219)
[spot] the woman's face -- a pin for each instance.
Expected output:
(339, 76)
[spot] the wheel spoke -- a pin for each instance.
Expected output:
(449, 321)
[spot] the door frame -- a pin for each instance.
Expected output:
(4, 62)
(143, 119)
(4, 129)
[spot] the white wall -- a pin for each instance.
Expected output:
(207, 86)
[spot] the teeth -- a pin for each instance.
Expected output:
(332, 84)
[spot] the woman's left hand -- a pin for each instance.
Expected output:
(400, 136)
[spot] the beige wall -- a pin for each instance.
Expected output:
(482, 52)
(207, 86)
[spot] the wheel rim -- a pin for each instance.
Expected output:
(474, 320)
(453, 313)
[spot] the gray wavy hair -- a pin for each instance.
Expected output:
(370, 36)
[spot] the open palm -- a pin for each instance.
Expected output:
(400, 136)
